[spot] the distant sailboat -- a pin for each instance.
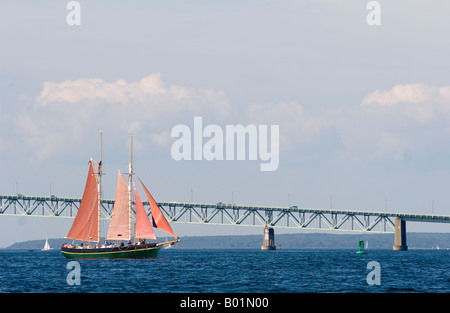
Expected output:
(86, 226)
(46, 246)
(167, 246)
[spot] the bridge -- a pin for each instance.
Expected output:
(237, 215)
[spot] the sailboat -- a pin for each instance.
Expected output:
(46, 246)
(86, 226)
(167, 246)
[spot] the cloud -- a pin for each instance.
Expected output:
(150, 94)
(400, 93)
(162, 139)
(68, 111)
(392, 123)
(296, 125)
(415, 102)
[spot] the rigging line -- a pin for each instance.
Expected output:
(118, 150)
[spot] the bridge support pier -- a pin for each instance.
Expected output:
(400, 235)
(269, 239)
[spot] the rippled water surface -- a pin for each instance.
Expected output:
(231, 271)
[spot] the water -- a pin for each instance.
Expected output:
(231, 271)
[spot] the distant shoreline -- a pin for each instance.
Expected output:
(376, 241)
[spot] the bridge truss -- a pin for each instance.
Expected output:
(226, 214)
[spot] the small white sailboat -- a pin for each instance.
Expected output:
(167, 246)
(46, 246)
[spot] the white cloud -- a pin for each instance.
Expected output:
(296, 125)
(414, 102)
(385, 123)
(73, 91)
(73, 109)
(150, 95)
(389, 123)
(161, 139)
(400, 93)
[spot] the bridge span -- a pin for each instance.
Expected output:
(237, 215)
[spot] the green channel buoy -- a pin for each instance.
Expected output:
(361, 248)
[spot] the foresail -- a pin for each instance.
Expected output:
(144, 229)
(119, 228)
(85, 225)
(159, 221)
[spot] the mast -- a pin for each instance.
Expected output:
(120, 225)
(130, 182)
(99, 187)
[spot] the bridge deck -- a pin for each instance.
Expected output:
(227, 214)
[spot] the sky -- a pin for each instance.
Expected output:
(363, 110)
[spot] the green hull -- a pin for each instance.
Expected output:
(115, 253)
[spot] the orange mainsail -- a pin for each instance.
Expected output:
(144, 229)
(159, 221)
(85, 226)
(119, 228)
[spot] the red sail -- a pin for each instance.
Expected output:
(159, 220)
(144, 229)
(85, 225)
(119, 228)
